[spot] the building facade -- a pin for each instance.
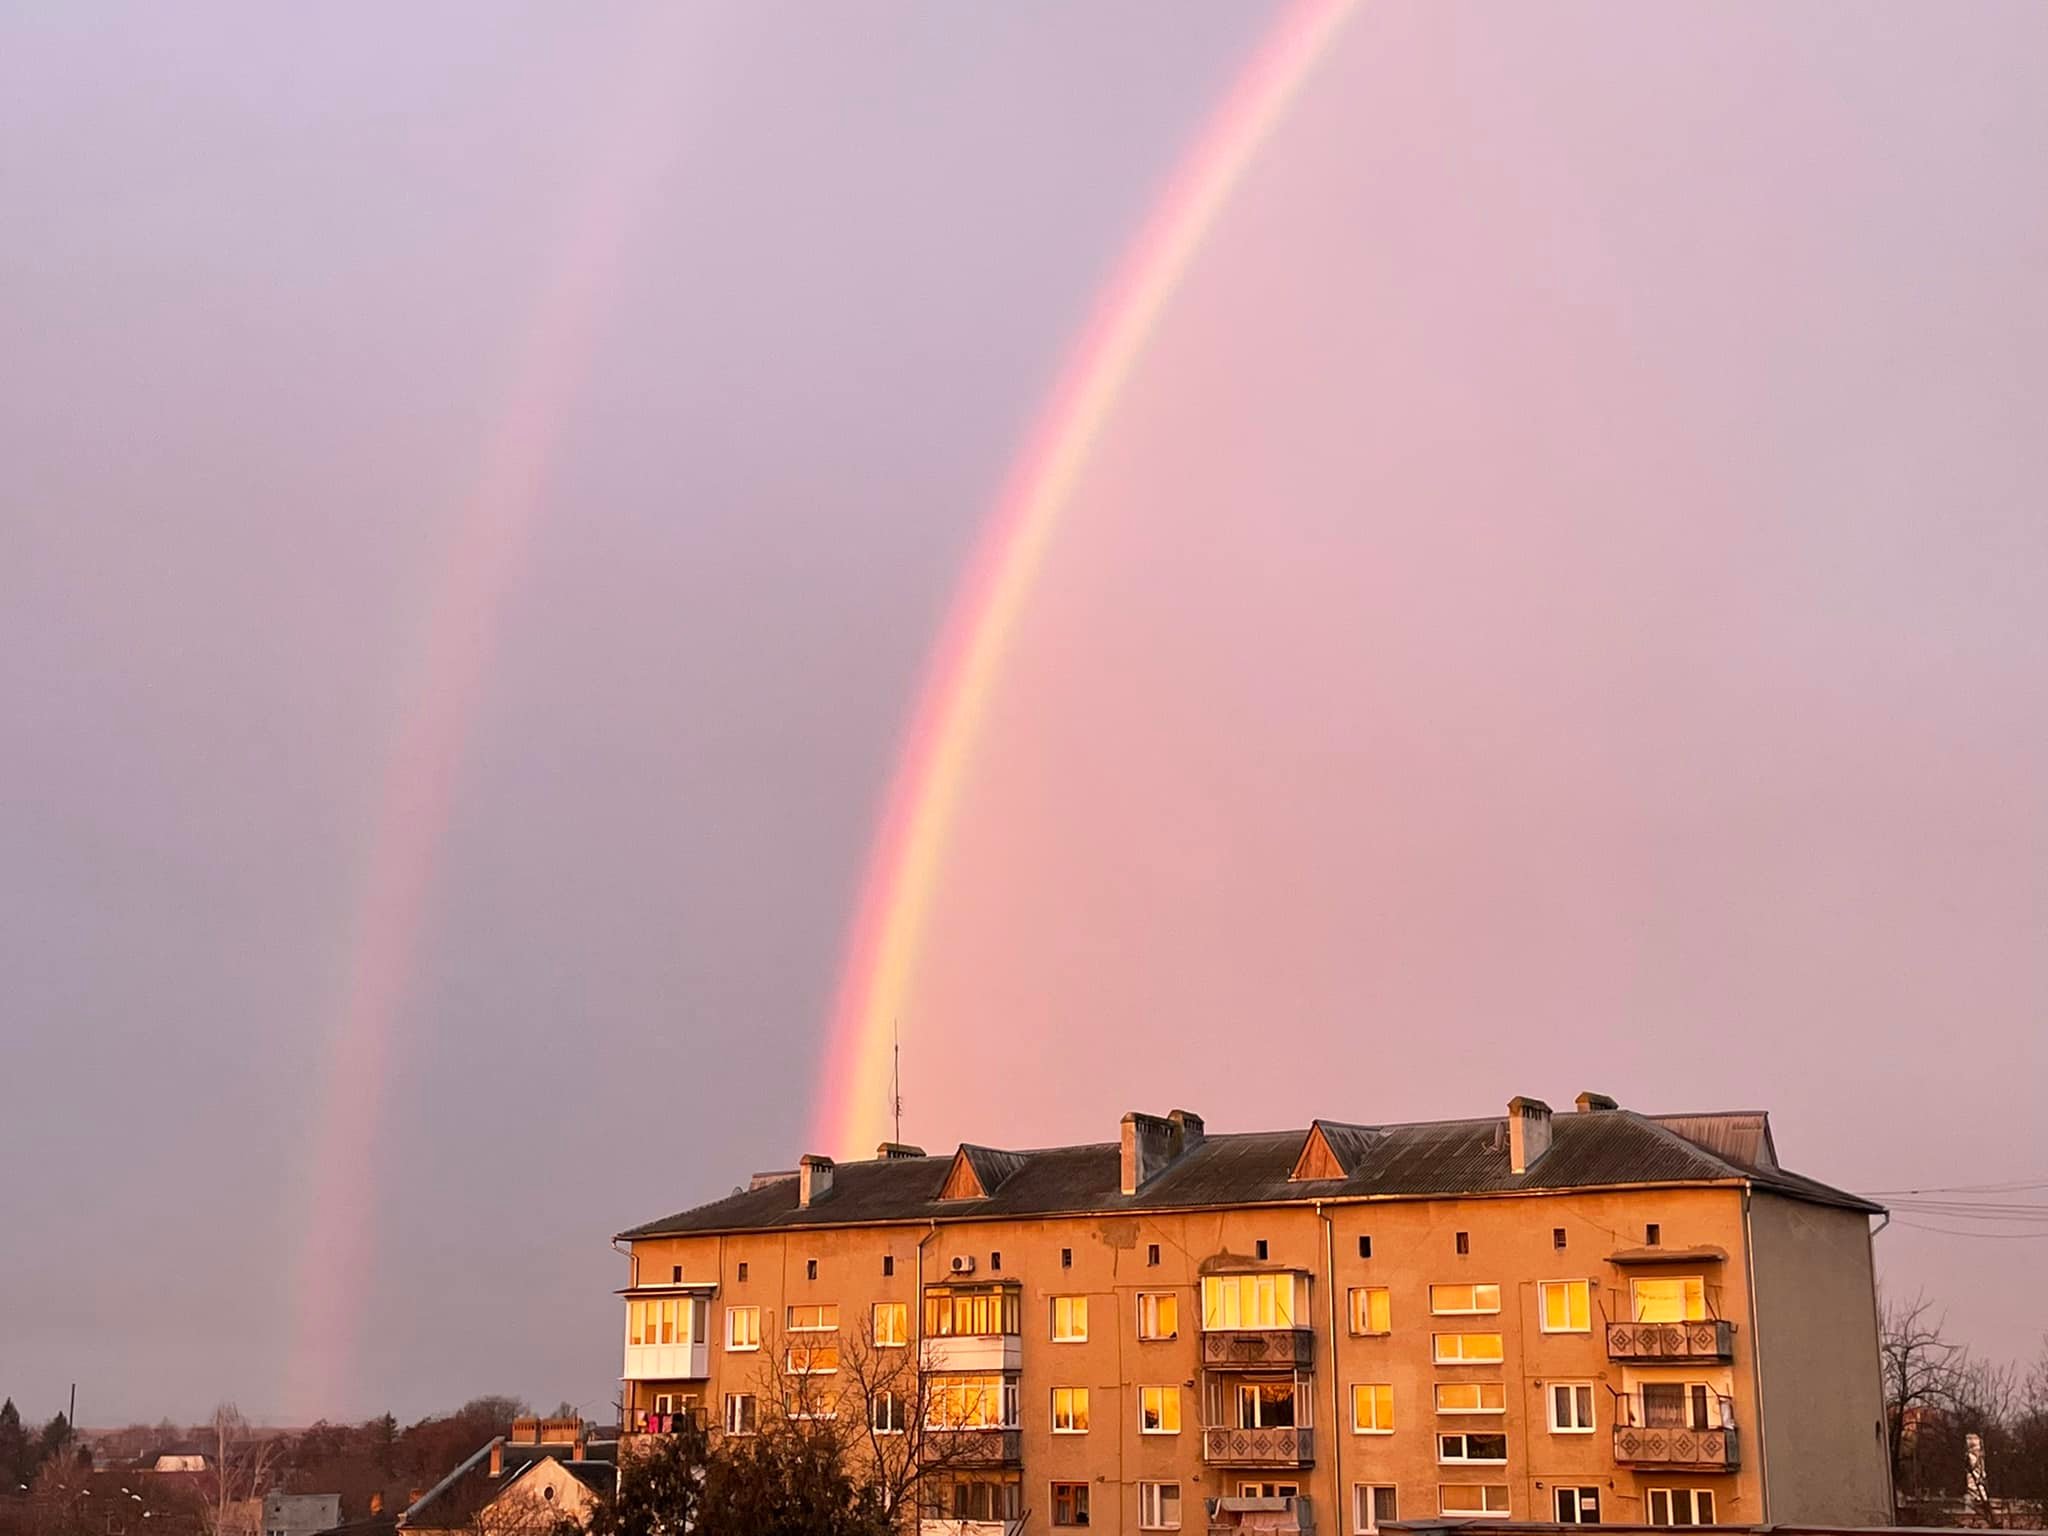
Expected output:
(1602, 1316)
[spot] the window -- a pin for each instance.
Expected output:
(1159, 1410)
(983, 1311)
(1066, 1258)
(1472, 1499)
(1259, 1248)
(1557, 1238)
(1070, 1410)
(1158, 1315)
(888, 1264)
(1677, 1405)
(1248, 1301)
(1678, 1299)
(995, 1261)
(1267, 1405)
(1069, 1503)
(972, 1501)
(676, 1273)
(892, 1324)
(1468, 1349)
(1567, 1305)
(1571, 1407)
(1681, 1506)
(1069, 1319)
(810, 1269)
(1452, 1299)
(1471, 1397)
(743, 1269)
(1653, 1234)
(1159, 1506)
(1365, 1247)
(1464, 1242)
(1372, 1408)
(668, 1320)
(742, 1327)
(984, 1401)
(1372, 1310)
(739, 1413)
(1372, 1505)
(1152, 1255)
(810, 1352)
(1578, 1506)
(1492, 1447)
(889, 1413)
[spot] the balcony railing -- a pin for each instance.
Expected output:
(1258, 1349)
(1695, 1433)
(1266, 1446)
(1710, 1338)
(976, 1447)
(1292, 1515)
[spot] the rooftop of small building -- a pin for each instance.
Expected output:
(1599, 1146)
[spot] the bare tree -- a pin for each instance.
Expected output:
(1921, 1371)
(242, 1463)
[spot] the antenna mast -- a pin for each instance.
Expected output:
(896, 1087)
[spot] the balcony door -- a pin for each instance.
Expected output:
(1676, 1405)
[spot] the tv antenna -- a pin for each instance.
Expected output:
(896, 1086)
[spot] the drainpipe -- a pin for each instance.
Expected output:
(625, 1386)
(1336, 1386)
(1756, 1352)
(1884, 1438)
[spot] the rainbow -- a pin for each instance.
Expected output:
(904, 863)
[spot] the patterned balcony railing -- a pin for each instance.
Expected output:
(977, 1447)
(1258, 1349)
(1708, 1339)
(1289, 1516)
(1695, 1450)
(1264, 1447)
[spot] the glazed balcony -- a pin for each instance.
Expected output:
(1287, 1446)
(1258, 1349)
(1703, 1339)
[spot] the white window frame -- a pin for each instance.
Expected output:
(1437, 1355)
(1077, 1399)
(1365, 1514)
(732, 1403)
(1550, 1391)
(1376, 1428)
(1466, 1459)
(1671, 1496)
(1165, 1395)
(1156, 1297)
(1479, 1308)
(1437, 1395)
(897, 1308)
(1362, 1294)
(1152, 1501)
(732, 1318)
(1485, 1490)
(898, 1417)
(1578, 1491)
(1543, 1290)
(1076, 1308)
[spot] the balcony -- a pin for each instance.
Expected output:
(1271, 1446)
(972, 1354)
(976, 1447)
(1290, 1516)
(1258, 1349)
(1704, 1339)
(1680, 1449)
(931, 1527)
(668, 1362)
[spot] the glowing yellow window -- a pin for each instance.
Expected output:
(1070, 1410)
(1468, 1349)
(1069, 1319)
(1451, 1299)
(1677, 1299)
(892, 1324)
(1471, 1397)
(1567, 1306)
(1372, 1408)
(1372, 1309)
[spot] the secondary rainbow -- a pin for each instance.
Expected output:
(904, 863)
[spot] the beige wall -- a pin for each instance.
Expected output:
(1414, 1245)
(1817, 1332)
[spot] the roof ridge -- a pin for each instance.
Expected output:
(1664, 1131)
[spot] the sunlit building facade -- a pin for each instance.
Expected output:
(1600, 1316)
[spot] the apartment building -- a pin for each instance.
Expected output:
(1600, 1316)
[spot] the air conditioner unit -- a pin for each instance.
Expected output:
(963, 1264)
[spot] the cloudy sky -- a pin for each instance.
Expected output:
(1558, 606)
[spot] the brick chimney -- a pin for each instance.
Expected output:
(376, 1503)
(1152, 1143)
(889, 1151)
(1528, 1132)
(497, 1458)
(1590, 1102)
(813, 1178)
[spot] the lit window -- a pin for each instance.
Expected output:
(1159, 1410)
(1158, 1315)
(1452, 1299)
(1462, 1447)
(1070, 1410)
(890, 1413)
(742, 1327)
(1372, 1309)
(1372, 1505)
(1248, 1301)
(1159, 1506)
(810, 1354)
(971, 1402)
(1578, 1506)
(1571, 1407)
(1069, 1319)
(1567, 1305)
(1471, 1397)
(1677, 1299)
(1372, 1408)
(739, 1413)
(1468, 1349)
(1069, 1503)
(1472, 1499)
(984, 1311)
(892, 1324)
(1681, 1506)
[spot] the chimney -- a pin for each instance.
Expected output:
(577, 1447)
(1589, 1102)
(813, 1178)
(497, 1457)
(1528, 1132)
(1152, 1143)
(889, 1151)
(376, 1503)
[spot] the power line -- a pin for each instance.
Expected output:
(2007, 1237)
(1966, 1189)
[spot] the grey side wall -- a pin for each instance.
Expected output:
(1823, 1402)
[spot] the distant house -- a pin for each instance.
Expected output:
(300, 1514)
(522, 1482)
(186, 1456)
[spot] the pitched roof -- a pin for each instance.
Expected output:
(1432, 1158)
